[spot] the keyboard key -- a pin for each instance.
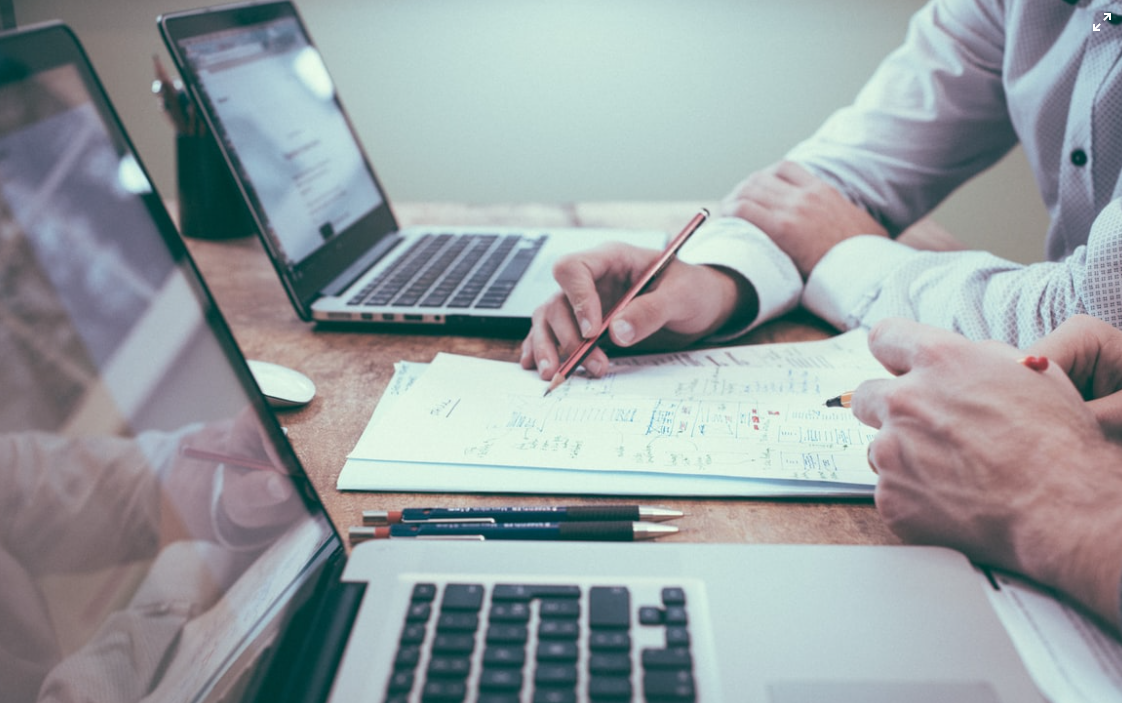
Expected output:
(609, 688)
(561, 609)
(458, 596)
(609, 641)
(504, 656)
(457, 622)
(677, 658)
(418, 612)
(673, 596)
(450, 667)
(423, 592)
(509, 592)
(558, 651)
(407, 657)
(609, 663)
(501, 679)
(442, 691)
(675, 615)
(677, 636)
(497, 697)
(555, 695)
(558, 630)
(400, 681)
(453, 644)
(510, 612)
(669, 685)
(555, 675)
(650, 615)
(507, 634)
(413, 633)
(609, 607)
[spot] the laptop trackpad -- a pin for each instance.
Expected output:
(880, 692)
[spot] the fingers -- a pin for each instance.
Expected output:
(869, 403)
(897, 343)
(1089, 351)
(553, 336)
(1108, 413)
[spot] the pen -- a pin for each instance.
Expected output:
(599, 531)
(540, 513)
(640, 285)
(1036, 363)
(218, 458)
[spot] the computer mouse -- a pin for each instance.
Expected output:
(283, 387)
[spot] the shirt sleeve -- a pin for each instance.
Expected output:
(932, 115)
(866, 279)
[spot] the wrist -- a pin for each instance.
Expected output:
(1073, 540)
(739, 302)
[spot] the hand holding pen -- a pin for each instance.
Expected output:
(645, 279)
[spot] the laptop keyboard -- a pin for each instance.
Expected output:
(453, 270)
(536, 643)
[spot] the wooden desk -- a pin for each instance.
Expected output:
(351, 369)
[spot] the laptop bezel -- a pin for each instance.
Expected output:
(321, 269)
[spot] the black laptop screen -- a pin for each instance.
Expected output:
(152, 518)
(271, 102)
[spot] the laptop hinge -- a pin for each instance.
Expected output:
(303, 666)
(360, 266)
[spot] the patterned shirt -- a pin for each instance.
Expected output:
(973, 78)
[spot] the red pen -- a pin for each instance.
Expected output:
(640, 285)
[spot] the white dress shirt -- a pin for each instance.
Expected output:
(972, 78)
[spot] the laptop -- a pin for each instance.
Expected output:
(161, 542)
(323, 216)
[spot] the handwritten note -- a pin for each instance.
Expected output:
(745, 412)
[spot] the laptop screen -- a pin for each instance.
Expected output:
(273, 106)
(154, 520)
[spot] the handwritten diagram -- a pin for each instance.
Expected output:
(750, 417)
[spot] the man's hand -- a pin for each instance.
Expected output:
(803, 215)
(686, 303)
(1007, 464)
(1089, 351)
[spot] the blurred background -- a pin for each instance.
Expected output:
(497, 101)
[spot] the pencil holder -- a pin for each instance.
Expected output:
(210, 206)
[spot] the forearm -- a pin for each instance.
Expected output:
(932, 116)
(976, 294)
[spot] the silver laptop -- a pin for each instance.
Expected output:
(161, 542)
(323, 215)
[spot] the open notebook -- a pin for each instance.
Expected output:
(161, 541)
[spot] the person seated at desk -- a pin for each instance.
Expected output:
(1017, 468)
(972, 79)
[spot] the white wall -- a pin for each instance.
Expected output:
(492, 101)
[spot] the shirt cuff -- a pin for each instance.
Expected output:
(847, 280)
(738, 245)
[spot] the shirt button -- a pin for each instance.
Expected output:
(1078, 157)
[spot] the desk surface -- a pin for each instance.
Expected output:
(351, 370)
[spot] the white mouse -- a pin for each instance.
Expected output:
(283, 387)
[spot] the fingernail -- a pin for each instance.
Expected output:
(595, 367)
(623, 331)
(585, 327)
(544, 367)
